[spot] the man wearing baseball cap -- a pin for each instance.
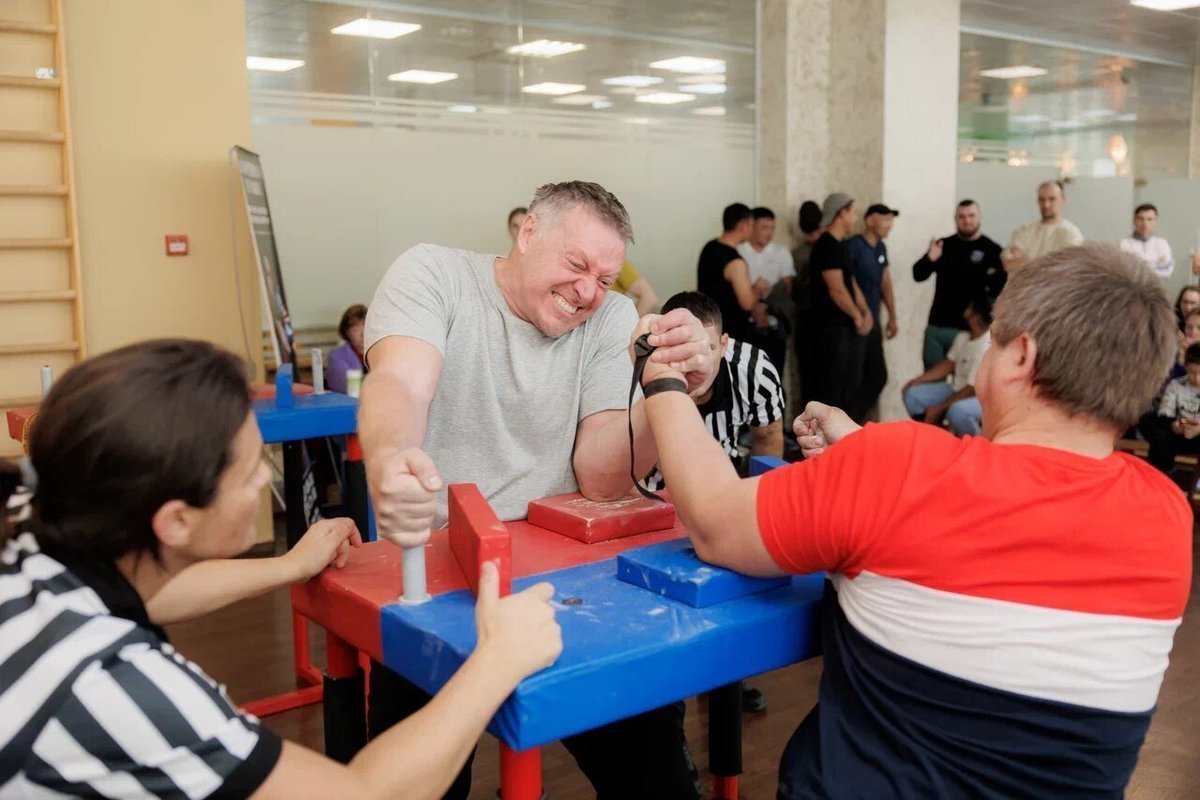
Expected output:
(840, 314)
(869, 260)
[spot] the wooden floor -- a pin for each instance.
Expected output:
(248, 648)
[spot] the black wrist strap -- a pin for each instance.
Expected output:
(641, 354)
(660, 385)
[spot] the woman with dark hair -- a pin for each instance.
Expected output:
(349, 354)
(142, 482)
(1187, 302)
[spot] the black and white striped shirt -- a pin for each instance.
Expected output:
(747, 393)
(95, 703)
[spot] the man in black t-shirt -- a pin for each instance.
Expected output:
(723, 276)
(968, 266)
(841, 318)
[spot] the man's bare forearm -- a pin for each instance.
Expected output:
(601, 458)
(391, 417)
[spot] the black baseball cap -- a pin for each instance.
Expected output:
(880, 208)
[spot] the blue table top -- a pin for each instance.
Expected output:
(311, 416)
(625, 649)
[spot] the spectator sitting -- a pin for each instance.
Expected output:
(929, 397)
(1188, 337)
(1181, 405)
(349, 354)
(1187, 302)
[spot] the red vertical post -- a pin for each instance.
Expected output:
(305, 671)
(725, 787)
(520, 773)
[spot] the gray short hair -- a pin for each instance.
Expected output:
(553, 199)
(1105, 330)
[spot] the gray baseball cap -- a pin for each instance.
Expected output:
(832, 205)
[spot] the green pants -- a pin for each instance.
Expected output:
(937, 343)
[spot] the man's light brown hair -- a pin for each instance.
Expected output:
(553, 199)
(1105, 330)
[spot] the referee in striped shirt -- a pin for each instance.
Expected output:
(144, 477)
(745, 393)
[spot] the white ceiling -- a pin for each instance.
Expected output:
(1107, 26)
(470, 38)
(1101, 55)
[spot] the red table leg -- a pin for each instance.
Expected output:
(520, 773)
(725, 787)
(305, 671)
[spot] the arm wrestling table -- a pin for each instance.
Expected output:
(626, 648)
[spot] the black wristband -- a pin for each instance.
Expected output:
(660, 385)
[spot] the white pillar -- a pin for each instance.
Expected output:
(861, 96)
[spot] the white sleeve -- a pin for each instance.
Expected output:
(1169, 405)
(960, 341)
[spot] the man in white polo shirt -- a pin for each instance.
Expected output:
(1154, 250)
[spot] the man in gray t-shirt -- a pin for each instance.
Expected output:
(513, 373)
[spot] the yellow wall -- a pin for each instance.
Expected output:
(158, 93)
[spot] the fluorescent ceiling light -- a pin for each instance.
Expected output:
(1164, 5)
(637, 120)
(580, 99)
(462, 109)
(550, 87)
(709, 111)
(273, 64)
(1031, 119)
(636, 81)
(1097, 113)
(1018, 71)
(422, 76)
(1067, 124)
(705, 88)
(545, 48)
(1126, 118)
(692, 64)
(665, 98)
(714, 78)
(600, 105)
(375, 28)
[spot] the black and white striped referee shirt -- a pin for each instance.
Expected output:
(747, 393)
(95, 703)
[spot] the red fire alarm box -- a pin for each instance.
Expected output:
(177, 244)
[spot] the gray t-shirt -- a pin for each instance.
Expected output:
(510, 398)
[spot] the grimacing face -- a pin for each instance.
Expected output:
(566, 264)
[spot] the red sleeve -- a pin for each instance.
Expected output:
(825, 513)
